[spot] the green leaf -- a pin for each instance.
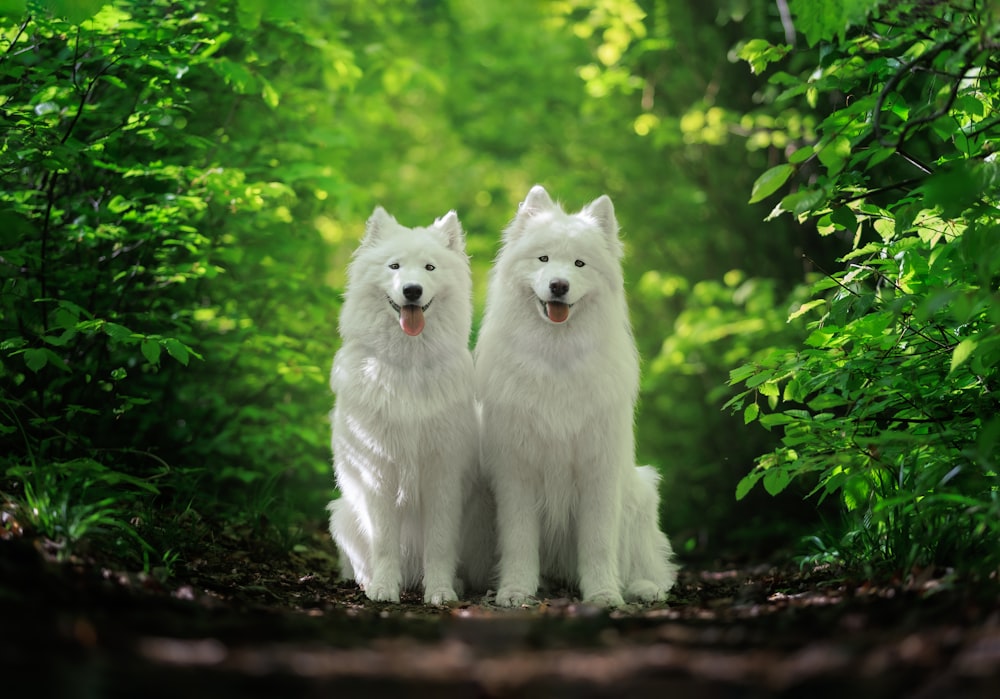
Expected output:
(844, 218)
(178, 350)
(879, 155)
(118, 204)
(742, 373)
(886, 228)
(770, 181)
(65, 318)
(963, 350)
(793, 391)
(772, 419)
(269, 94)
(747, 483)
(758, 379)
(74, 309)
(36, 359)
(776, 480)
(834, 154)
(60, 340)
(750, 413)
(819, 337)
(872, 248)
(151, 351)
(800, 155)
(806, 307)
(116, 331)
(802, 201)
(769, 388)
(758, 53)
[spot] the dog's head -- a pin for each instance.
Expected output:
(404, 272)
(562, 261)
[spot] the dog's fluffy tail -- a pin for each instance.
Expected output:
(343, 530)
(647, 566)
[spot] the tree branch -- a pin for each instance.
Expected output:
(891, 84)
(14, 41)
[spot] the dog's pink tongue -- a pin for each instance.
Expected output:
(411, 320)
(558, 312)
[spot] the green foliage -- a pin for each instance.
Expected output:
(824, 21)
(723, 324)
(101, 232)
(68, 502)
(155, 290)
(891, 405)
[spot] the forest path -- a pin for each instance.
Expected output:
(235, 623)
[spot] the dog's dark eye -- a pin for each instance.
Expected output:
(543, 258)
(429, 268)
(579, 263)
(393, 265)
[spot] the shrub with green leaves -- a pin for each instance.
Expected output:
(101, 224)
(893, 403)
(163, 313)
(722, 324)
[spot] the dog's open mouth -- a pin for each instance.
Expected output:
(556, 311)
(411, 316)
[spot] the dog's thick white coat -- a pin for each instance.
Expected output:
(557, 374)
(404, 421)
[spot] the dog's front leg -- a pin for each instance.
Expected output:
(599, 530)
(442, 517)
(520, 535)
(387, 567)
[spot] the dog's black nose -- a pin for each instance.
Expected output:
(558, 287)
(412, 292)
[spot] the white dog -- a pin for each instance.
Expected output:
(404, 423)
(557, 373)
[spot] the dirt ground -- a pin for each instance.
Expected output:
(236, 622)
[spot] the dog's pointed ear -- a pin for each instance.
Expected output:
(603, 212)
(537, 200)
(451, 227)
(377, 224)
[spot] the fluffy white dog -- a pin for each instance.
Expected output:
(404, 423)
(557, 373)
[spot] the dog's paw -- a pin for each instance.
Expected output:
(382, 592)
(605, 598)
(645, 591)
(439, 595)
(513, 596)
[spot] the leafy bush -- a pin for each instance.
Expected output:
(155, 289)
(721, 324)
(892, 404)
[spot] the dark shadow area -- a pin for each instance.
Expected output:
(236, 625)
